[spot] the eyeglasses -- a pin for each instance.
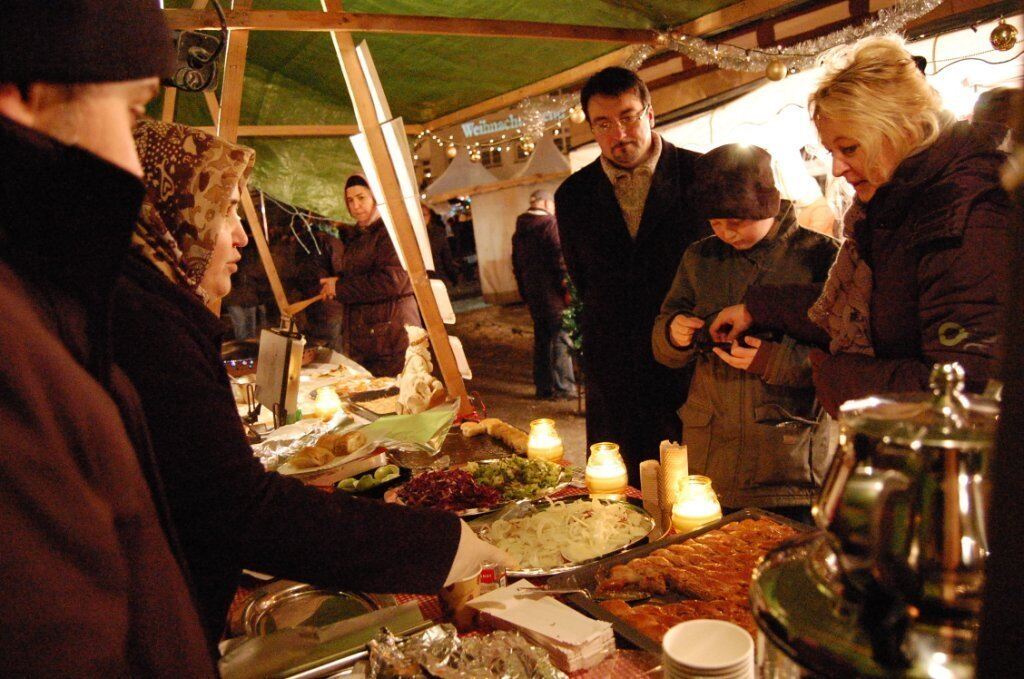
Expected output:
(626, 122)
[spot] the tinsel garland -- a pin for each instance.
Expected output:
(798, 56)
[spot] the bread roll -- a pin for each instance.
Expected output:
(472, 428)
(311, 456)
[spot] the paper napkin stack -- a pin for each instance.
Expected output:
(574, 641)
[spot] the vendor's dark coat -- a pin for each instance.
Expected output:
(937, 237)
(378, 299)
(229, 512)
(631, 399)
(89, 584)
(538, 265)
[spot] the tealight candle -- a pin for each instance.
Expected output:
(327, 403)
(544, 443)
(696, 504)
(606, 472)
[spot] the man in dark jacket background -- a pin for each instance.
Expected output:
(540, 274)
(624, 222)
(89, 582)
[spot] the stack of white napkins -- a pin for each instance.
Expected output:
(574, 641)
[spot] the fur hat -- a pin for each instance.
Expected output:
(83, 41)
(735, 181)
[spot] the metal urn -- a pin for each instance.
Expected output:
(896, 580)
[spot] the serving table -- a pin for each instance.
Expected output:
(626, 663)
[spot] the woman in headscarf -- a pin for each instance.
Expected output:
(923, 275)
(228, 512)
(374, 287)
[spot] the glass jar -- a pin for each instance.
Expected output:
(544, 442)
(606, 472)
(696, 504)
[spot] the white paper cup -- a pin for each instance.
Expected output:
(708, 648)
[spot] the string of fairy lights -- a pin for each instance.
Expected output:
(539, 115)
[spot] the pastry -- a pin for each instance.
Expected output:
(711, 572)
(311, 456)
(473, 428)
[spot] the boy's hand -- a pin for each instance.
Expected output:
(740, 357)
(730, 323)
(681, 329)
(329, 287)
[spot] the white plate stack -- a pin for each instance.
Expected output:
(707, 648)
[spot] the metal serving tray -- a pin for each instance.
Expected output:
(355, 399)
(586, 577)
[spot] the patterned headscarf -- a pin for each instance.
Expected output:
(189, 176)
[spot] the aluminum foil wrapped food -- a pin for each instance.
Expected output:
(442, 653)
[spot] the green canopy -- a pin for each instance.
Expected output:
(294, 78)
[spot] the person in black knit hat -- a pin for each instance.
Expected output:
(750, 421)
(91, 584)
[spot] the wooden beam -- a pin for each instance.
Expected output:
(548, 84)
(170, 99)
(711, 23)
(297, 20)
(234, 77)
(360, 93)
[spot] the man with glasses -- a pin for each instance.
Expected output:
(624, 222)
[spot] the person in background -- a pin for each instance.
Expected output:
(994, 113)
(440, 249)
(750, 421)
(540, 275)
(624, 221)
(325, 320)
(242, 305)
(922, 275)
(374, 288)
(89, 571)
(229, 512)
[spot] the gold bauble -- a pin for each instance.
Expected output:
(576, 115)
(474, 155)
(451, 151)
(1003, 37)
(776, 70)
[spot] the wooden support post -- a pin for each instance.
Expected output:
(170, 99)
(234, 76)
(359, 89)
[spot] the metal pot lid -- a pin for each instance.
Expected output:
(945, 418)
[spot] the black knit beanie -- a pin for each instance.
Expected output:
(735, 181)
(83, 41)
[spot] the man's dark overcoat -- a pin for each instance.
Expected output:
(631, 399)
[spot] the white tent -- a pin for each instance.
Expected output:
(461, 174)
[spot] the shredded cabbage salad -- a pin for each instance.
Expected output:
(568, 532)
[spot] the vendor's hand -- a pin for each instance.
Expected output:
(329, 287)
(740, 357)
(730, 323)
(473, 552)
(681, 329)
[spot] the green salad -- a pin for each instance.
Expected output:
(517, 478)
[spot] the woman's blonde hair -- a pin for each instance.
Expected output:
(875, 90)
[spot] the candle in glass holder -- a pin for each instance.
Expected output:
(606, 472)
(696, 504)
(544, 443)
(327, 403)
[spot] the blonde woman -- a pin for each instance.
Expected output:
(923, 274)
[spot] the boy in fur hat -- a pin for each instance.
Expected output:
(750, 422)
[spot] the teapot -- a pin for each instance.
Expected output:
(907, 492)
